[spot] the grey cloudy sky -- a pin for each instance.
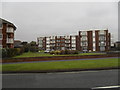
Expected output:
(60, 18)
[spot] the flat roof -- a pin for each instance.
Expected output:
(5, 21)
(93, 29)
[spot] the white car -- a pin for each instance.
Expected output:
(46, 51)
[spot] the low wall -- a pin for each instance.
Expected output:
(27, 59)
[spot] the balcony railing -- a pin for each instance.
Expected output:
(102, 44)
(102, 40)
(67, 41)
(10, 40)
(67, 45)
(10, 30)
(83, 39)
(52, 41)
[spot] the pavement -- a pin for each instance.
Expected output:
(79, 79)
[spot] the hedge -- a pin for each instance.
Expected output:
(11, 52)
(64, 52)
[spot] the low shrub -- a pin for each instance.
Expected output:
(55, 52)
(4, 52)
(52, 52)
(11, 52)
(64, 52)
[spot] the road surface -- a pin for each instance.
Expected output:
(81, 79)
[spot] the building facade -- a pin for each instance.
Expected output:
(58, 42)
(6, 34)
(91, 40)
(95, 40)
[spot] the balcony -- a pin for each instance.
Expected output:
(40, 45)
(102, 43)
(67, 45)
(83, 39)
(102, 40)
(83, 33)
(52, 41)
(10, 30)
(52, 45)
(67, 41)
(67, 37)
(10, 40)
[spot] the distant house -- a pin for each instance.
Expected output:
(17, 44)
(117, 44)
(90, 40)
(6, 34)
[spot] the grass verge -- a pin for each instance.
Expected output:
(60, 65)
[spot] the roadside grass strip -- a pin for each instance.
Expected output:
(61, 65)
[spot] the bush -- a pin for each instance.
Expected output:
(26, 48)
(57, 52)
(64, 52)
(4, 53)
(33, 49)
(75, 52)
(11, 52)
(52, 52)
(18, 51)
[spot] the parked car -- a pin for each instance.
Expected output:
(46, 51)
(85, 51)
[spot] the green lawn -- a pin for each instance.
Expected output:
(39, 54)
(58, 65)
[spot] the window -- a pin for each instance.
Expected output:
(0, 42)
(58, 40)
(10, 40)
(67, 37)
(62, 36)
(58, 44)
(1, 36)
(40, 41)
(73, 48)
(62, 40)
(0, 46)
(84, 44)
(1, 26)
(10, 30)
(101, 32)
(67, 41)
(40, 45)
(58, 36)
(102, 48)
(52, 40)
(102, 38)
(73, 37)
(84, 38)
(73, 41)
(52, 37)
(102, 43)
(83, 33)
(52, 44)
(73, 45)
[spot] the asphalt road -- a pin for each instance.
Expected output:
(81, 79)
